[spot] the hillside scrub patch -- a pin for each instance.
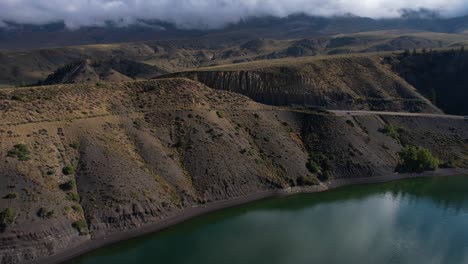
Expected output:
(309, 180)
(81, 226)
(77, 208)
(391, 131)
(325, 176)
(7, 218)
(316, 162)
(44, 213)
(417, 159)
(74, 145)
(71, 196)
(68, 170)
(220, 114)
(13, 195)
(20, 151)
(68, 186)
(313, 166)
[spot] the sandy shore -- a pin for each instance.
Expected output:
(192, 212)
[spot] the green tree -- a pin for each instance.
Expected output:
(417, 159)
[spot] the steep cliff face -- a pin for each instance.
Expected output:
(80, 162)
(438, 75)
(352, 82)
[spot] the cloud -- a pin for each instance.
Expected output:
(206, 13)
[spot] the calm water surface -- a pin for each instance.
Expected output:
(410, 221)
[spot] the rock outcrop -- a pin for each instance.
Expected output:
(360, 83)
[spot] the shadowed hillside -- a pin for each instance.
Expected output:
(113, 70)
(441, 76)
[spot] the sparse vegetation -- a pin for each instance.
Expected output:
(309, 180)
(74, 145)
(350, 123)
(77, 208)
(68, 170)
(313, 166)
(7, 218)
(81, 226)
(391, 131)
(320, 165)
(20, 151)
(44, 213)
(17, 97)
(11, 196)
(68, 186)
(220, 114)
(72, 196)
(325, 176)
(417, 159)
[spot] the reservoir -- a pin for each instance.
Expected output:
(408, 221)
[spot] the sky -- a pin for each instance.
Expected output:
(206, 13)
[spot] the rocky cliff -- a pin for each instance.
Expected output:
(349, 82)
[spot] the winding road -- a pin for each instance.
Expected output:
(364, 113)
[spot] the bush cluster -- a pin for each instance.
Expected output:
(68, 186)
(417, 159)
(309, 180)
(20, 151)
(7, 218)
(81, 226)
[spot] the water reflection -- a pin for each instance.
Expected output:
(411, 221)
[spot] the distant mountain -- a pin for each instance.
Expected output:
(17, 36)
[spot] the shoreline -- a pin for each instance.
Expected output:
(192, 212)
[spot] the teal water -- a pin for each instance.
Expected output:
(409, 221)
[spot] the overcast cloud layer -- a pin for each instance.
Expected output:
(206, 13)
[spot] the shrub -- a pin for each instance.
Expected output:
(81, 226)
(68, 186)
(68, 170)
(44, 213)
(17, 98)
(77, 208)
(417, 159)
(312, 166)
(220, 114)
(317, 162)
(20, 151)
(71, 196)
(325, 176)
(391, 131)
(350, 123)
(309, 180)
(7, 218)
(11, 196)
(74, 145)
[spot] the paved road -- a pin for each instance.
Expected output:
(364, 113)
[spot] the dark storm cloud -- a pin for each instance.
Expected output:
(206, 13)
